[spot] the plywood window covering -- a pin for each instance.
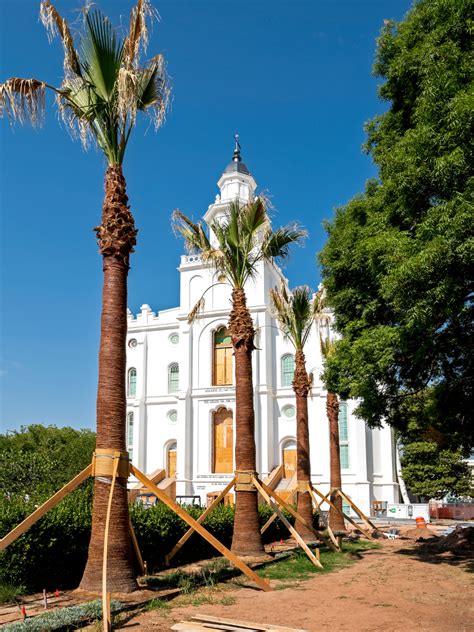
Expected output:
(287, 369)
(222, 361)
(343, 436)
(132, 382)
(173, 378)
(289, 459)
(223, 442)
(171, 461)
(130, 435)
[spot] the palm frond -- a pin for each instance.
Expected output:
(294, 313)
(153, 90)
(23, 100)
(277, 244)
(196, 310)
(138, 32)
(56, 25)
(101, 54)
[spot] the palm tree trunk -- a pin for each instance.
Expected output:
(301, 387)
(336, 521)
(116, 236)
(246, 539)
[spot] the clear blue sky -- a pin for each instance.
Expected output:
(292, 77)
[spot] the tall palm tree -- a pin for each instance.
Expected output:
(336, 519)
(295, 311)
(243, 239)
(104, 87)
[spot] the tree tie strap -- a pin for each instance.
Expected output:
(103, 463)
(244, 480)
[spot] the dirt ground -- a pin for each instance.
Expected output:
(392, 589)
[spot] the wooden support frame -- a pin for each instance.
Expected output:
(274, 516)
(290, 528)
(44, 508)
(201, 530)
(358, 511)
(107, 625)
(201, 519)
(344, 515)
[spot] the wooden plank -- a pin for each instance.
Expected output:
(261, 627)
(290, 528)
(201, 518)
(136, 548)
(358, 511)
(288, 507)
(44, 508)
(107, 624)
(324, 499)
(332, 536)
(202, 531)
(274, 516)
(348, 518)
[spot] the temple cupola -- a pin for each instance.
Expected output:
(236, 183)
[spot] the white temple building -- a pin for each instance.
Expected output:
(181, 394)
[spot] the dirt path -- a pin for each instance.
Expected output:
(391, 589)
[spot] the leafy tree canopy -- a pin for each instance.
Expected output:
(398, 262)
(37, 460)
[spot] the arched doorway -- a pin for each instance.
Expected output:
(289, 458)
(171, 460)
(223, 441)
(222, 360)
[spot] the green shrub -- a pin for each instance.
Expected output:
(53, 553)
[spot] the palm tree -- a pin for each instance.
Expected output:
(295, 312)
(336, 519)
(104, 87)
(243, 239)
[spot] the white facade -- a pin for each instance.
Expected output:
(178, 416)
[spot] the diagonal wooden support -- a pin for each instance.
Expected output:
(201, 519)
(136, 548)
(358, 511)
(344, 515)
(290, 528)
(44, 508)
(274, 516)
(321, 502)
(201, 530)
(107, 624)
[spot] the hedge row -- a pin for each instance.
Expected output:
(53, 553)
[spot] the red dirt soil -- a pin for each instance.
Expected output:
(397, 588)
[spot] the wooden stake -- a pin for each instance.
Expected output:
(44, 508)
(290, 528)
(201, 519)
(136, 548)
(105, 594)
(201, 530)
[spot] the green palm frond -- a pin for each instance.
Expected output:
(243, 238)
(294, 312)
(104, 85)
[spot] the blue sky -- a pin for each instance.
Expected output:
(293, 78)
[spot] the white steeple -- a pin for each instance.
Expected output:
(236, 183)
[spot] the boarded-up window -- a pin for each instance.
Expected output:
(223, 442)
(171, 461)
(289, 459)
(222, 362)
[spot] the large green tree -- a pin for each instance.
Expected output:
(105, 85)
(398, 262)
(240, 240)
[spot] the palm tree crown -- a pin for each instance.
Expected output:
(296, 312)
(244, 238)
(104, 84)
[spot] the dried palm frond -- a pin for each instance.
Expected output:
(23, 100)
(196, 310)
(56, 25)
(138, 32)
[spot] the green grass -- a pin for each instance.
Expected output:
(10, 593)
(297, 567)
(157, 604)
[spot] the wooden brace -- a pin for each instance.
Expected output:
(244, 480)
(103, 461)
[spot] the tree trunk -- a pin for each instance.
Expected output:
(246, 539)
(301, 386)
(336, 521)
(116, 237)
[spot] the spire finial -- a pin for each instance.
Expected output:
(236, 157)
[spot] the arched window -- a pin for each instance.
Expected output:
(223, 441)
(343, 436)
(132, 382)
(171, 454)
(287, 369)
(129, 435)
(173, 378)
(289, 458)
(222, 360)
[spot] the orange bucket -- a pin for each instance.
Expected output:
(420, 522)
